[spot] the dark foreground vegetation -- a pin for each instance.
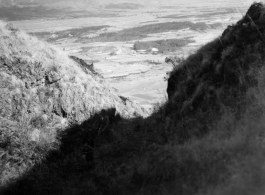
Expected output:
(207, 139)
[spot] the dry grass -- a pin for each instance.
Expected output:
(32, 117)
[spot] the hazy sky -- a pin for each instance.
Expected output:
(116, 1)
(144, 2)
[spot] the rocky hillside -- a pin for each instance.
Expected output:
(43, 91)
(208, 139)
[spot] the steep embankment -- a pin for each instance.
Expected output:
(219, 75)
(43, 91)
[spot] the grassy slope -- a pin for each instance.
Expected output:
(207, 139)
(31, 117)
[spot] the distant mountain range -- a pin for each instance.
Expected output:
(49, 2)
(63, 2)
(12, 10)
(9, 3)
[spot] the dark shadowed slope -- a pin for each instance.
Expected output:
(221, 72)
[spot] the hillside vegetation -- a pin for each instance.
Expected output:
(43, 92)
(208, 138)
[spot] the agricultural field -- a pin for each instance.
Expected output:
(119, 38)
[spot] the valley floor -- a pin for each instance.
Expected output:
(134, 74)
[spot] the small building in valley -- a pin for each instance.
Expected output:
(154, 51)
